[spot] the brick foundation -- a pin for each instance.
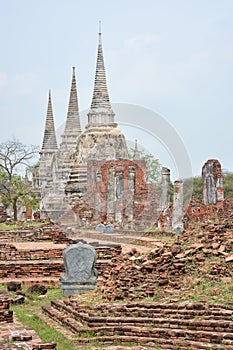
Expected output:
(163, 324)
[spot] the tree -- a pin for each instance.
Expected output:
(193, 188)
(228, 183)
(153, 166)
(15, 190)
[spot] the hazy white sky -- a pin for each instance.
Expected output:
(174, 57)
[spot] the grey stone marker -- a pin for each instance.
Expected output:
(80, 272)
(109, 228)
(100, 228)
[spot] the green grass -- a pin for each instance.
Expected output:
(151, 229)
(34, 223)
(19, 225)
(26, 314)
(4, 226)
(215, 291)
(45, 332)
(197, 285)
(206, 289)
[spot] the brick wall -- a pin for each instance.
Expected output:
(118, 192)
(6, 315)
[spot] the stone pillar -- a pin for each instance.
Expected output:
(119, 197)
(111, 195)
(129, 210)
(178, 207)
(97, 196)
(165, 189)
(212, 182)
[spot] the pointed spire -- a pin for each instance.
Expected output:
(101, 110)
(73, 120)
(136, 153)
(100, 27)
(49, 141)
(26, 179)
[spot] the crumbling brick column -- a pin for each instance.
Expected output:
(28, 213)
(165, 189)
(165, 219)
(3, 214)
(178, 206)
(212, 182)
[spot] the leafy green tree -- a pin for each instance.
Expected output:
(171, 191)
(195, 186)
(153, 165)
(18, 192)
(228, 184)
(14, 189)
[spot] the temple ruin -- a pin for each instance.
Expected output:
(90, 179)
(90, 176)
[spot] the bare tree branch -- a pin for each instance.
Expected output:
(14, 153)
(13, 188)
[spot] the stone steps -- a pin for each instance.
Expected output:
(79, 175)
(193, 331)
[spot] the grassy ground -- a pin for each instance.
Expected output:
(204, 290)
(4, 226)
(198, 284)
(26, 314)
(19, 225)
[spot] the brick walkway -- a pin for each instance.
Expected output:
(126, 247)
(45, 245)
(24, 338)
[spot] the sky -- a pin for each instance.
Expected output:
(173, 57)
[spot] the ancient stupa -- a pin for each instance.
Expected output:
(102, 139)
